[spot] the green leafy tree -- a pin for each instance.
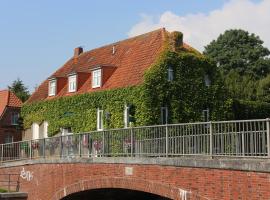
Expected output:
(19, 89)
(240, 51)
(263, 90)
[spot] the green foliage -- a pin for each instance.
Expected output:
(251, 110)
(79, 112)
(186, 96)
(3, 190)
(19, 89)
(241, 87)
(263, 90)
(240, 51)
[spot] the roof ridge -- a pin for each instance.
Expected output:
(163, 31)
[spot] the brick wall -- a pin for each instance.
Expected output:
(54, 181)
(7, 128)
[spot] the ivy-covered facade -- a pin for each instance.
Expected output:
(180, 85)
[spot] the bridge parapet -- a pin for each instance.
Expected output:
(239, 139)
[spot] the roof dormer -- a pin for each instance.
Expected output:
(72, 82)
(100, 74)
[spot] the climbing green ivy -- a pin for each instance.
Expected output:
(186, 96)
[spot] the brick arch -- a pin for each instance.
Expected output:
(156, 188)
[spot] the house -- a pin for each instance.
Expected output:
(10, 106)
(154, 78)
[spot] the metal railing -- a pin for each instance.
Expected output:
(245, 138)
(10, 182)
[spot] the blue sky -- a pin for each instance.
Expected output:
(37, 37)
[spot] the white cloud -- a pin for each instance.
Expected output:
(201, 28)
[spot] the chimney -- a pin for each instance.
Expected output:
(78, 51)
(176, 40)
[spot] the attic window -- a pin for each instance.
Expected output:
(72, 83)
(96, 78)
(52, 87)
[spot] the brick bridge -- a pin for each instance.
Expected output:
(211, 160)
(186, 178)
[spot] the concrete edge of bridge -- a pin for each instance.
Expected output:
(242, 164)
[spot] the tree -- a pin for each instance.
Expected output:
(263, 90)
(240, 51)
(19, 89)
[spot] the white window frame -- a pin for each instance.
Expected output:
(126, 117)
(162, 109)
(35, 131)
(170, 74)
(72, 83)
(96, 78)
(99, 120)
(14, 118)
(206, 115)
(52, 87)
(66, 131)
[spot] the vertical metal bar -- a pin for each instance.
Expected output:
(131, 140)
(211, 139)
(30, 149)
(80, 145)
(268, 136)
(103, 143)
(44, 149)
(61, 147)
(243, 142)
(2, 152)
(167, 140)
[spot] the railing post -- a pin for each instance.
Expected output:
(44, 147)
(167, 141)
(2, 152)
(268, 136)
(103, 143)
(30, 149)
(131, 141)
(211, 139)
(61, 147)
(80, 145)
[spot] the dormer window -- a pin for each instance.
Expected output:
(72, 83)
(52, 87)
(96, 80)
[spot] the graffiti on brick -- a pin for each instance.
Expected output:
(27, 175)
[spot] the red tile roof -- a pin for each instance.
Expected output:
(8, 99)
(131, 59)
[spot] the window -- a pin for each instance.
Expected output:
(99, 120)
(66, 131)
(170, 74)
(96, 80)
(72, 83)
(8, 139)
(164, 115)
(205, 115)
(52, 88)
(14, 118)
(35, 131)
(207, 80)
(126, 116)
